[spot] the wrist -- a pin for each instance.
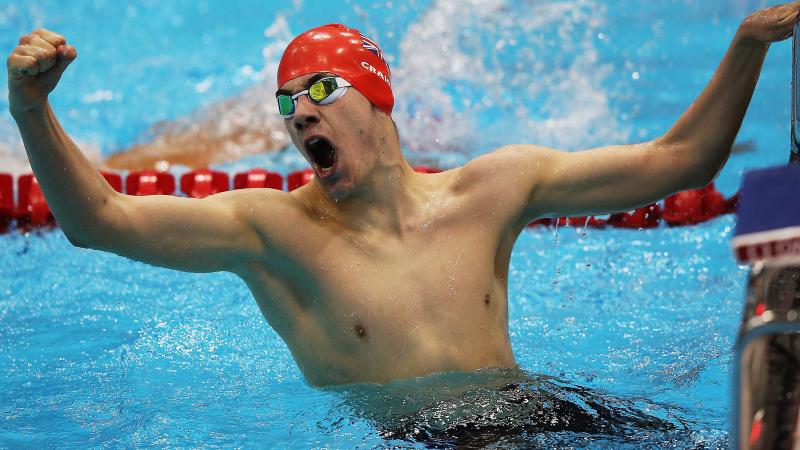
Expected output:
(749, 34)
(745, 46)
(20, 108)
(745, 36)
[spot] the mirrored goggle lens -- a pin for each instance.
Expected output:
(285, 105)
(320, 90)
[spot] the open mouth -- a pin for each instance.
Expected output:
(322, 153)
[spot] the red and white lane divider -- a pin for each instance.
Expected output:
(30, 209)
(684, 208)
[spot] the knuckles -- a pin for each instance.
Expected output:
(26, 48)
(50, 53)
(21, 50)
(15, 63)
(49, 38)
(54, 39)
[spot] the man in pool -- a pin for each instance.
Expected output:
(373, 272)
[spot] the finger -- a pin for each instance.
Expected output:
(54, 39)
(44, 58)
(49, 52)
(20, 66)
(787, 23)
(66, 54)
(37, 41)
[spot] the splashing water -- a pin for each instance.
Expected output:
(467, 76)
(507, 408)
(476, 75)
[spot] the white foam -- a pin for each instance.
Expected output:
(532, 71)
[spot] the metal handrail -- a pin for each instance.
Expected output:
(794, 155)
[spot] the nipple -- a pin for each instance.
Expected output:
(360, 330)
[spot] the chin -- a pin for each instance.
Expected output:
(339, 190)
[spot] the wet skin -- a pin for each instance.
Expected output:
(377, 272)
(373, 272)
(365, 304)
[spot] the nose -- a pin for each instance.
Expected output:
(305, 113)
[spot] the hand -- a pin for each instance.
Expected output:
(35, 66)
(772, 24)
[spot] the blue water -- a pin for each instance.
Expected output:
(98, 350)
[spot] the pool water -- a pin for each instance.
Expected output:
(99, 350)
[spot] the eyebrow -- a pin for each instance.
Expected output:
(310, 81)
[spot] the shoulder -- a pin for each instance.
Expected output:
(508, 164)
(505, 180)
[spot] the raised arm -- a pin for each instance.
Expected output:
(689, 155)
(187, 234)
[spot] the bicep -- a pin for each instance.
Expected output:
(194, 235)
(604, 180)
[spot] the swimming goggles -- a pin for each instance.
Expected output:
(322, 92)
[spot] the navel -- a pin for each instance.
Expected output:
(487, 299)
(360, 330)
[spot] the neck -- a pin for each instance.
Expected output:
(385, 199)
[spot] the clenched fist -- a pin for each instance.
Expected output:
(35, 66)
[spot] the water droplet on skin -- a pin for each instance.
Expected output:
(451, 284)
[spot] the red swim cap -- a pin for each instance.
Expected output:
(344, 51)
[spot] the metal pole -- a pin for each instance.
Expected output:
(794, 156)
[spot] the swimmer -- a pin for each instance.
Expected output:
(373, 272)
(202, 139)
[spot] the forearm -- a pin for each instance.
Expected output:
(74, 189)
(703, 136)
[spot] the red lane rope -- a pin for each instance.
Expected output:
(31, 210)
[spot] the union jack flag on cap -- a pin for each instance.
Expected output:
(370, 45)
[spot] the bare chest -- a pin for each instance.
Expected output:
(420, 307)
(425, 303)
(413, 283)
(359, 305)
(422, 271)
